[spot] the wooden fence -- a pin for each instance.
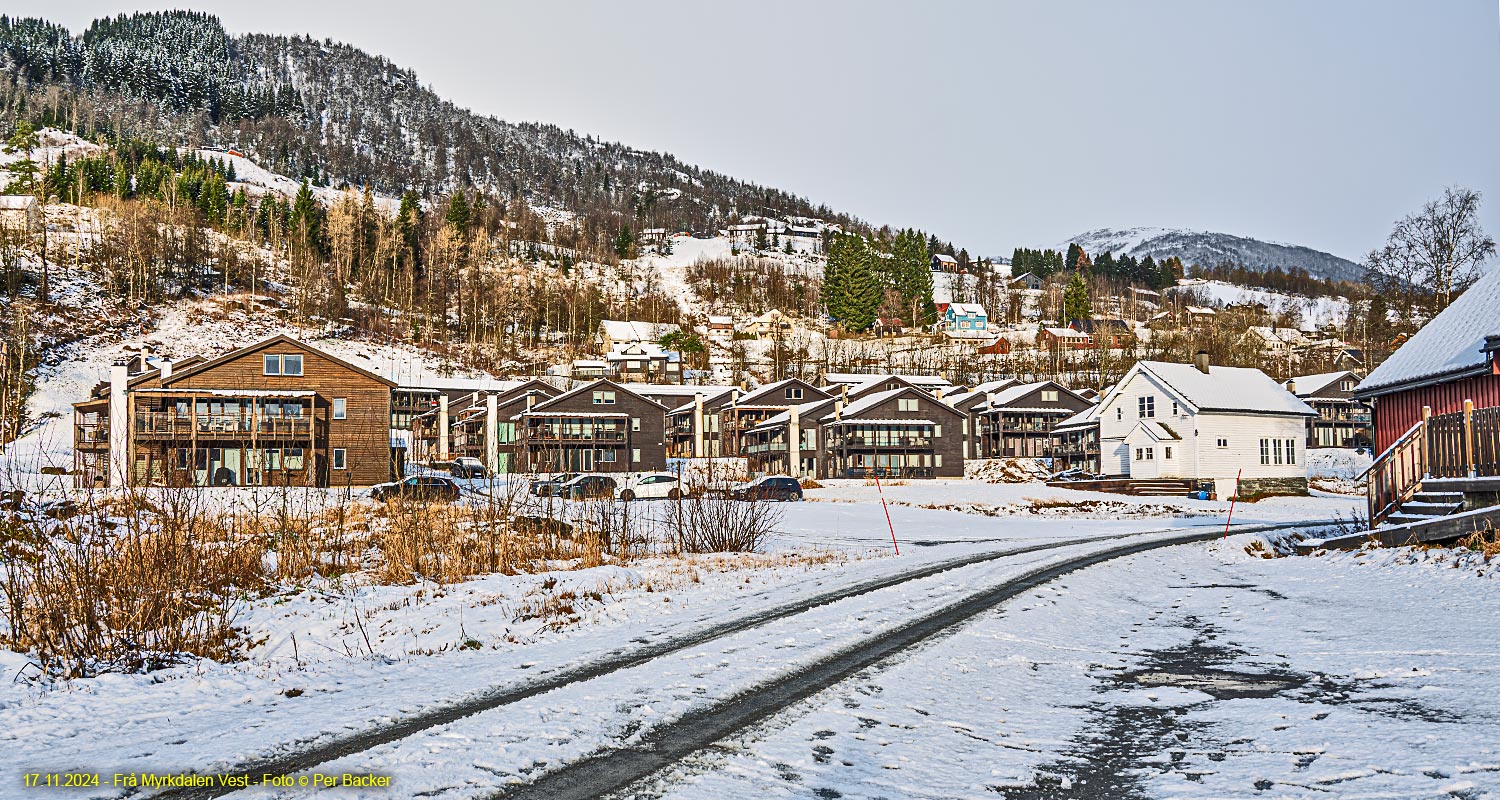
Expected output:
(1463, 444)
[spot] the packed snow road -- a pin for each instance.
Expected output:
(1188, 672)
(630, 707)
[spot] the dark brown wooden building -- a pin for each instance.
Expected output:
(599, 427)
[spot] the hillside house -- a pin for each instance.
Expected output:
(1028, 280)
(749, 409)
(942, 262)
(20, 213)
(1200, 315)
(770, 325)
(599, 427)
(965, 319)
(613, 333)
(885, 327)
(1342, 421)
(720, 328)
(1115, 334)
(1202, 423)
(1062, 339)
(644, 362)
(278, 412)
(1275, 341)
(651, 237)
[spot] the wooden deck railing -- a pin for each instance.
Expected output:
(1463, 444)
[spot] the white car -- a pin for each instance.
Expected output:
(652, 485)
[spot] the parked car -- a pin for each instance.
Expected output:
(653, 485)
(468, 467)
(585, 487)
(547, 487)
(783, 488)
(418, 487)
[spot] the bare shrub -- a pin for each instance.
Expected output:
(711, 522)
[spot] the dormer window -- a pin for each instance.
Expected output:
(794, 393)
(1049, 395)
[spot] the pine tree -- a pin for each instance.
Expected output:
(623, 242)
(1076, 300)
(458, 213)
(851, 289)
(23, 170)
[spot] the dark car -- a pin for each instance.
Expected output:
(418, 487)
(585, 487)
(547, 487)
(468, 467)
(782, 488)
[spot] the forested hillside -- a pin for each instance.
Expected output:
(334, 114)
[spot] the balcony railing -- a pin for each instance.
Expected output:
(876, 442)
(170, 424)
(575, 436)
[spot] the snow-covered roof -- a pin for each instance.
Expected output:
(946, 259)
(12, 202)
(978, 391)
(1083, 419)
(1010, 394)
(710, 393)
(1451, 345)
(1200, 310)
(883, 422)
(633, 331)
(1067, 333)
(1312, 384)
(865, 378)
(966, 309)
(485, 384)
(1225, 388)
(1154, 430)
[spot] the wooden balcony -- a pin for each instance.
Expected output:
(167, 425)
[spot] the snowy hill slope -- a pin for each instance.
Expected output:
(1206, 248)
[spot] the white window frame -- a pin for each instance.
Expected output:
(270, 370)
(635, 455)
(1291, 451)
(794, 392)
(907, 404)
(340, 458)
(1049, 395)
(1145, 407)
(286, 369)
(340, 408)
(1223, 443)
(604, 397)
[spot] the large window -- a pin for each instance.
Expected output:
(283, 365)
(906, 404)
(1265, 450)
(1049, 395)
(1146, 406)
(1291, 451)
(604, 398)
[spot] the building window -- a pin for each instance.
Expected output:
(794, 393)
(1291, 451)
(937, 459)
(635, 455)
(937, 431)
(273, 365)
(1166, 453)
(292, 458)
(291, 365)
(1146, 406)
(340, 408)
(604, 398)
(1138, 456)
(1119, 413)
(906, 404)
(340, 458)
(1223, 443)
(1175, 410)
(1265, 451)
(607, 456)
(1049, 395)
(1150, 454)
(635, 423)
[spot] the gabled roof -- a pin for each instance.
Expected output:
(1066, 333)
(711, 394)
(967, 309)
(1153, 430)
(1083, 419)
(601, 384)
(771, 389)
(1222, 388)
(981, 392)
(631, 330)
(863, 404)
(1312, 384)
(945, 258)
(1011, 394)
(1100, 326)
(280, 338)
(1451, 346)
(857, 378)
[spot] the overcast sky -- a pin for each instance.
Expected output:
(993, 124)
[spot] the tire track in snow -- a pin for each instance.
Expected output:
(613, 771)
(298, 760)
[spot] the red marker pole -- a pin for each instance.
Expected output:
(1231, 501)
(887, 510)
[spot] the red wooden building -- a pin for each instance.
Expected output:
(1455, 357)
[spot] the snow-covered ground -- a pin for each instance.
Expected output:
(1192, 672)
(1316, 311)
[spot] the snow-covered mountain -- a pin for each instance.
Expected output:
(1206, 248)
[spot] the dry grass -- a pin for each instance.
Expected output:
(1482, 541)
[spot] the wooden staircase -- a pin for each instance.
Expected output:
(1424, 506)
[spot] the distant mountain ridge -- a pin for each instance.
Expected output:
(1206, 248)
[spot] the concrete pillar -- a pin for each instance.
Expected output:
(794, 442)
(698, 421)
(442, 425)
(491, 432)
(119, 426)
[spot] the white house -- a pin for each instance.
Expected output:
(20, 212)
(1205, 423)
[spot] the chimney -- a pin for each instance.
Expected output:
(1291, 385)
(1200, 360)
(166, 370)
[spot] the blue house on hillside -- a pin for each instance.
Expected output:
(965, 319)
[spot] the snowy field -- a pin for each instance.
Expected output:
(1316, 311)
